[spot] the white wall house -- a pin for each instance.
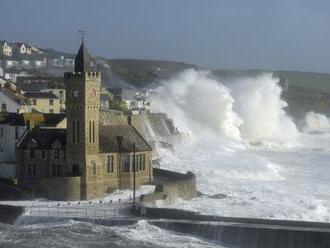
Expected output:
(7, 49)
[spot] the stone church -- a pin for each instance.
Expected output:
(86, 160)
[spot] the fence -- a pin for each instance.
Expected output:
(118, 210)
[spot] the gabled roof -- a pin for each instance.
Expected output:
(82, 62)
(49, 95)
(15, 119)
(44, 137)
(108, 139)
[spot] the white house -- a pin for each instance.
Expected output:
(6, 49)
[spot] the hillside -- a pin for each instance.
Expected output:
(140, 73)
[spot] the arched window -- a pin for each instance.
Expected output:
(90, 131)
(93, 131)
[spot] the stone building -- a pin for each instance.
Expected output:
(87, 159)
(43, 102)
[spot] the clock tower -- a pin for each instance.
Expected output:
(82, 109)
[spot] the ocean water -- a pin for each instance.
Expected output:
(69, 234)
(250, 158)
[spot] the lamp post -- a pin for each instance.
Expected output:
(134, 173)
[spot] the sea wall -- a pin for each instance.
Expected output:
(170, 186)
(61, 188)
(251, 235)
(8, 214)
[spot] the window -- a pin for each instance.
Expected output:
(73, 131)
(137, 163)
(56, 170)
(61, 93)
(75, 170)
(43, 154)
(140, 162)
(56, 153)
(110, 165)
(78, 132)
(2, 132)
(51, 102)
(93, 131)
(32, 169)
(90, 131)
(51, 111)
(34, 101)
(94, 169)
(16, 133)
(3, 107)
(143, 162)
(32, 153)
(125, 163)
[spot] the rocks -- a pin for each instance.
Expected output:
(219, 196)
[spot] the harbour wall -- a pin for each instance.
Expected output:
(243, 235)
(170, 186)
(241, 232)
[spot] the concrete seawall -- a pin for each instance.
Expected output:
(241, 232)
(252, 235)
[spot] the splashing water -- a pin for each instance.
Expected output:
(245, 146)
(316, 123)
(198, 104)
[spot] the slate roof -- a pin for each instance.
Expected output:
(44, 137)
(108, 139)
(40, 95)
(33, 87)
(15, 119)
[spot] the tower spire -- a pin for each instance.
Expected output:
(82, 62)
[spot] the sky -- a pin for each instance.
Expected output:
(217, 34)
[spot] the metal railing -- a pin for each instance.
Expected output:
(120, 210)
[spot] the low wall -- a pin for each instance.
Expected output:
(242, 235)
(241, 232)
(61, 188)
(8, 214)
(170, 185)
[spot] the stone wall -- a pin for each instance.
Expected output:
(170, 186)
(61, 188)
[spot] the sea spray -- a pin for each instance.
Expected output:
(286, 183)
(198, 104)
(316, 123)
(258, 103)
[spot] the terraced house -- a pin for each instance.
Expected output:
(87, 159)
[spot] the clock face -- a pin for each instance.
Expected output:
(75, 93)
(92, 93)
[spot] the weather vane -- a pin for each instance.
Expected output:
(82, 33)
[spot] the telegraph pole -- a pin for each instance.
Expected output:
(134, 173)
